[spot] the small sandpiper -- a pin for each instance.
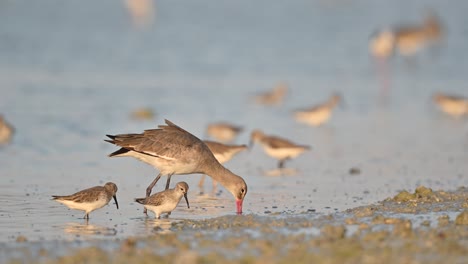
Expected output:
(319, 114)
(223, 153)
(452, 105)
(278, 148)
(165, 201)
(406, 40)
(223, 131)
(6, 131)
(272, 97)
(90, 199)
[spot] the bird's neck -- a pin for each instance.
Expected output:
(218, 173)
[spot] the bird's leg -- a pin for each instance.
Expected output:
(153, 183)
(281, 164)
(202, 181)
(215, 184)
(168, 180)
(86, 216)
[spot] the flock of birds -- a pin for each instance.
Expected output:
(173, 151)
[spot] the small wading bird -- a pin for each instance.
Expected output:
(272, 97)
(223, 153)
(452, 105)
(319, 114)
(165, 201)
(278, 148)
(223, 131)
(404, 40)
(172, 150)
(6, 131)
(90, 199)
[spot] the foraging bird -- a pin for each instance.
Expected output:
(173, 150)
(90, 199)
(406, 40)
(278, 148)
(223, 131)
(452, 105)
(273, 97)
(165, 201)
(223, 153)
(6, 131)
(319, 114)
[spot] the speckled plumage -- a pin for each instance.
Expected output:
(278, 148)
(165, 201)
(89, 199)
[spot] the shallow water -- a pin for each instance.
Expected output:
(73, 72)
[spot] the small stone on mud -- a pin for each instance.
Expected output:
(267, 212)
(364, 212)
(351, 221)
(354, 171)
(333, 232)
(404, 196)
(426, 223)
(403, 228)
(189, 256)
(444, 220)
(462, 218)
(423, 191)
(21, 239)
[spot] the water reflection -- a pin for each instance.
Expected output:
(281, 172)
(159, 226)
(88, 229)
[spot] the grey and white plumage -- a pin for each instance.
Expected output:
(318, 114)
(406, 39)
(173, 150)
(453, 105)
(223, 131)
(277, 147)
(90, 199)
(6, 131)
(223, 153)
(272, 97)
(165, 201)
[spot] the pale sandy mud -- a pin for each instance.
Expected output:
(423, 226)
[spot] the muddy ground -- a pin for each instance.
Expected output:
(423, 226)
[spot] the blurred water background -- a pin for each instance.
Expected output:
(73, 71)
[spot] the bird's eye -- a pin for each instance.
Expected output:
(242, 190)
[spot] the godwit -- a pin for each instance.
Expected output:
(273, 97)
(165, 201)
(319, 114)
(223, 153)
(90, 199)
(278, 148)
(223, 131)
(172, 150)
(453, 105)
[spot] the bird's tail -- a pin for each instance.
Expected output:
(140, 200)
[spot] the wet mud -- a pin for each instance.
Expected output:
(422, 226)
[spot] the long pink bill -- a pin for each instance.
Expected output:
(239, 206)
